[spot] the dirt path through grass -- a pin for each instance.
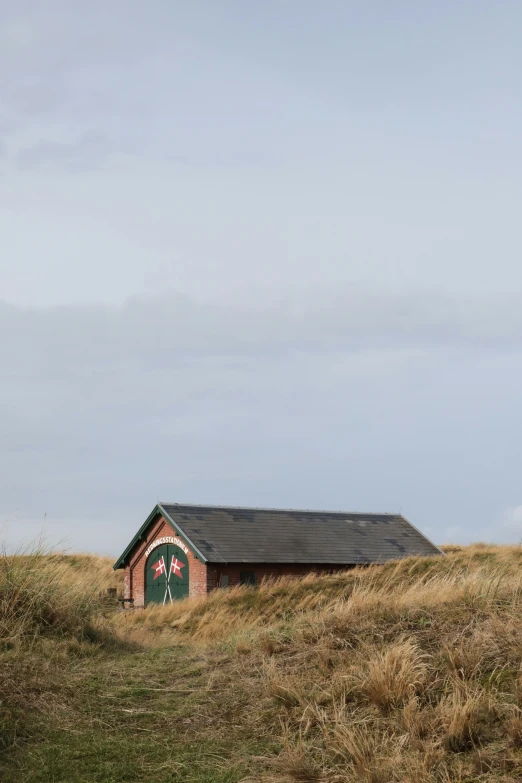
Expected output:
(160, 715)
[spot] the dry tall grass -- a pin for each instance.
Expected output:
(408, 672)
(51, 605)
(42, 593)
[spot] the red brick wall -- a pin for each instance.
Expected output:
(271, 571)
(134, 582)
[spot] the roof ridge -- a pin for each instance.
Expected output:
(275, 508)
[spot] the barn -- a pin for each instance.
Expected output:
(188, 550)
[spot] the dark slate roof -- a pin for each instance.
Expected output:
(225, 534)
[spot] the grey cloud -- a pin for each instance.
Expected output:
(176, 325)
(66, 63)
(35, 98)
(89, 151)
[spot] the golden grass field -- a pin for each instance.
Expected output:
(407, 672)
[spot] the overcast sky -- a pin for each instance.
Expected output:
(262, 253)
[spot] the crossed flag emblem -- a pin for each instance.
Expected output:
(175, 568)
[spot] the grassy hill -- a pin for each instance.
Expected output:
(407, 672)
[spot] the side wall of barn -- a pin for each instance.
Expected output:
(263, 571)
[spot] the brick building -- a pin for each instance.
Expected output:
(185, 550)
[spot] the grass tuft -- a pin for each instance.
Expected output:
(391, 676)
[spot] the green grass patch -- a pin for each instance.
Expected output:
(153, 715)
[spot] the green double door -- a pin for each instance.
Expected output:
(166, 575)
